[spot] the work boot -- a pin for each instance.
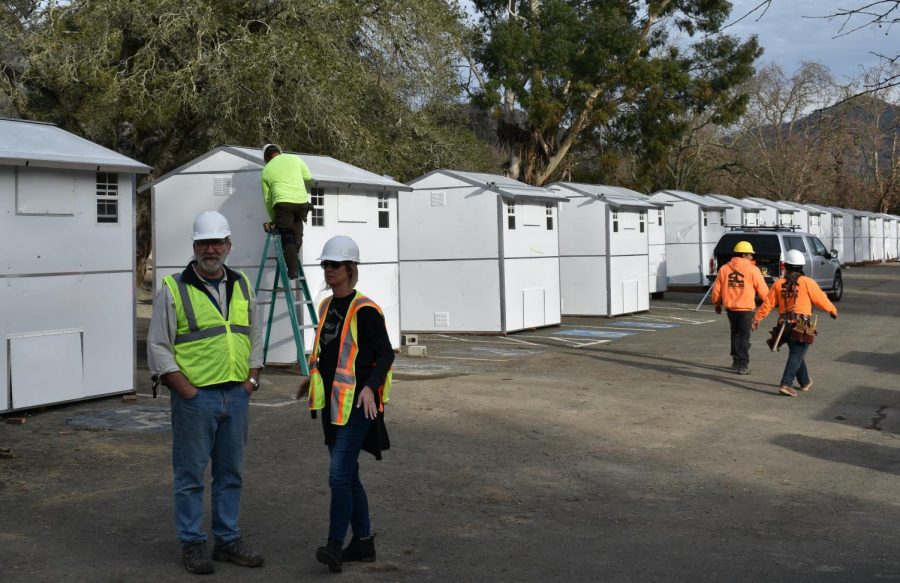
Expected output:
(807, 386)
(330, 555)
(238, 552)
(786, 390)
(742, 370)
(195, 559)
(360, 549)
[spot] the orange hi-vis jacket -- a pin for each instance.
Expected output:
(738, 283)
(808, 294)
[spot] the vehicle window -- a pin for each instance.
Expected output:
(794, 243)
(763, 243)
(817, 246)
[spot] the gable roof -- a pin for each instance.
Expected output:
(738, 202)
(808, 208)
(502, 185)
(704, 202)
(616, 197)
(827, 209)
(326, 171)
(44, 145)
(786, 208)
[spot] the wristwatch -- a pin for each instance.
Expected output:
(254, 382)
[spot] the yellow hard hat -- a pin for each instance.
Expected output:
(744, 247)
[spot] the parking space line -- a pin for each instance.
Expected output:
(519, 341)
(472, 358)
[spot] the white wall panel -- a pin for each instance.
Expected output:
(583, 288)
(464, 294)
(102, 305)
(531, 274)
(628, 290)
(530, 240)
(582, 226)
(658, 268)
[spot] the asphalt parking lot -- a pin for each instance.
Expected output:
(600, 450)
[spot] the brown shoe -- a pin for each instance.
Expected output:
(786, 390)
(807, 386)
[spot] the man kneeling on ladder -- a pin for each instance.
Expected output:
(285, 182)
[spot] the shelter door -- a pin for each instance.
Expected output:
(533, 306)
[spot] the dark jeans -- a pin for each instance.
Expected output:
(210, 426)
(740, 336)
(796, 364)
(289, 219)
(349, 504)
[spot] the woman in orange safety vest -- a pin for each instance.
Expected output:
(350, 380)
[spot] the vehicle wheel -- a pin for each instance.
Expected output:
(837, 289)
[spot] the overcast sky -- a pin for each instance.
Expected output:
(789, 38)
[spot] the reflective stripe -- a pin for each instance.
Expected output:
(186, 304)
(244, 289)
(201, 334)
(245, 330)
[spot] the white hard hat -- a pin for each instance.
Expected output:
(794, 257)
(340, 248)
(211, 225)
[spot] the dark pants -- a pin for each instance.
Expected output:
(796, 364)
(349, 504)
(289, 219)
(740, 337)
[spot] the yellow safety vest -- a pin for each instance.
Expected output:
(208, 348)
(343, 389)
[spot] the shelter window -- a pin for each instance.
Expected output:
(511, 216)
(705, 221)
(107, 197)
(384, 213)
(659, 216)
(643, 221)
(615, 221)
(317, 199)
(549, 217)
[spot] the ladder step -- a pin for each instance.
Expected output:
(307, 326)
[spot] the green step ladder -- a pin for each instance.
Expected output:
(293, 296)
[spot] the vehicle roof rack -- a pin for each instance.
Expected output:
(754, 229)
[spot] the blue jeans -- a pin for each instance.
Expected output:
(349, 504)
(796, 365)
(212, 425)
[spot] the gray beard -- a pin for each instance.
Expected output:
(203, 265)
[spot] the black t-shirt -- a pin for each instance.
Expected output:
(373, 360)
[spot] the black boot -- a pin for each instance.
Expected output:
(330, 555)
(360, 549)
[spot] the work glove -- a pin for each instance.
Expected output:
(833, 316)
(718, 308)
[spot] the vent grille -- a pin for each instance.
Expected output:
(439, 198)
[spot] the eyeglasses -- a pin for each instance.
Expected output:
(332, 264)
(214, 243)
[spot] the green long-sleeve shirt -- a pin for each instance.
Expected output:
(284, 179)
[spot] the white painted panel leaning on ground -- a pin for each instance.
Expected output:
(66, 266)
(346, 200)
(694, 224)
(604, 250)
(478, 253)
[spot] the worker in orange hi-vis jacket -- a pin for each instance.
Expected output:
(794, 295)
(737, 285)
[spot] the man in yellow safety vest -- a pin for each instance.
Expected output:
(205, 344)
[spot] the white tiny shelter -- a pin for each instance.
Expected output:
(807, 217)
(67, 265)
(742, 212)
(832, 223)
(776, 214)
(346, 200)
(856, 236)
(694, 224)
(604, 261)
(891, 226)
(478, 253)
(877, 233)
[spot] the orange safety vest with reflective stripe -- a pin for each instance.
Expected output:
(343, 389)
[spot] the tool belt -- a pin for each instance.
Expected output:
(801, 328)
